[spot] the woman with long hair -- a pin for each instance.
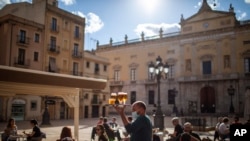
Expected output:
(66, 135)
(100, 131)
(11, 129)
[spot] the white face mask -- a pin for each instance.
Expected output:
(135, 115)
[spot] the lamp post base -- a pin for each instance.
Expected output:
(159, 119)
(231, 110)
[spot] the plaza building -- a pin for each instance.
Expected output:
(208, 59)
(42, 37)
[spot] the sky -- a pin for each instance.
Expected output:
(114, 19)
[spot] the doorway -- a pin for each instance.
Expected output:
(86, 111)
(18, 109)
(95, 111)
(207, 100)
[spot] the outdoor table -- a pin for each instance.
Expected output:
(19, 137)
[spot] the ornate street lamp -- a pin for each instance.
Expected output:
(231, 91)
(158, 69)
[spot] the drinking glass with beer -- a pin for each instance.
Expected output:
(112, 98)
(122, 97)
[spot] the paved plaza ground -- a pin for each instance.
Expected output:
(85, 127)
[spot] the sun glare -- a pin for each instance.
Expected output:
(149, 6)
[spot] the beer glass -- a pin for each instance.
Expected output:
(112, 98)
(111, 101)
(122, 97)
(113, 95)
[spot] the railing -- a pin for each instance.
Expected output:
(77, 35)
(210, 77)
(96, 101)
(150, 81)
(21, 40)
(54, 28)
(76, 73)
(116, 83)
(95, 76)
(97, 71)
(53, 48)
(56, 70)
(76, 54)
(22, 63)
(138, 40)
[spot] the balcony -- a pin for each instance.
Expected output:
(97, 71)
(76, 73)
(53, 69)
(77, 36)
(76, 54)
(209, 77)
(150, 82)
(116, 83)
(95, 101)
(23, 41)
(53, 48)
(24, 63)
(54, 28)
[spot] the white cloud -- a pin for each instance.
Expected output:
(247, 1)
(4, 2)
(79, 13)
(214, 4)
(242, 15)
(68, 2)
(93, 22)
(198, 4)
(150, 29)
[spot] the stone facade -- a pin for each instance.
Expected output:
(41, 36)
(207, 56)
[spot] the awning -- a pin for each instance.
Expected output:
(33, 82)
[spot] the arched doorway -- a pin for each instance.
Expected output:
(18, 109)
(207, 99)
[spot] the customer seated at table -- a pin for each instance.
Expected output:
(66, 135)
(11, 129)
(177, 129)
(187, 128)
(100, 132)
(35, 135)
(155, 136)
(224, 130)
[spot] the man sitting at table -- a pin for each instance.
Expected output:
(36, 134)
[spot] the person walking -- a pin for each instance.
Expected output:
(108, 129)
(141, 128)
(216, 132)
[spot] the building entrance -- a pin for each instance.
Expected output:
(207, 100)
(18, 109)
(95, 111)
